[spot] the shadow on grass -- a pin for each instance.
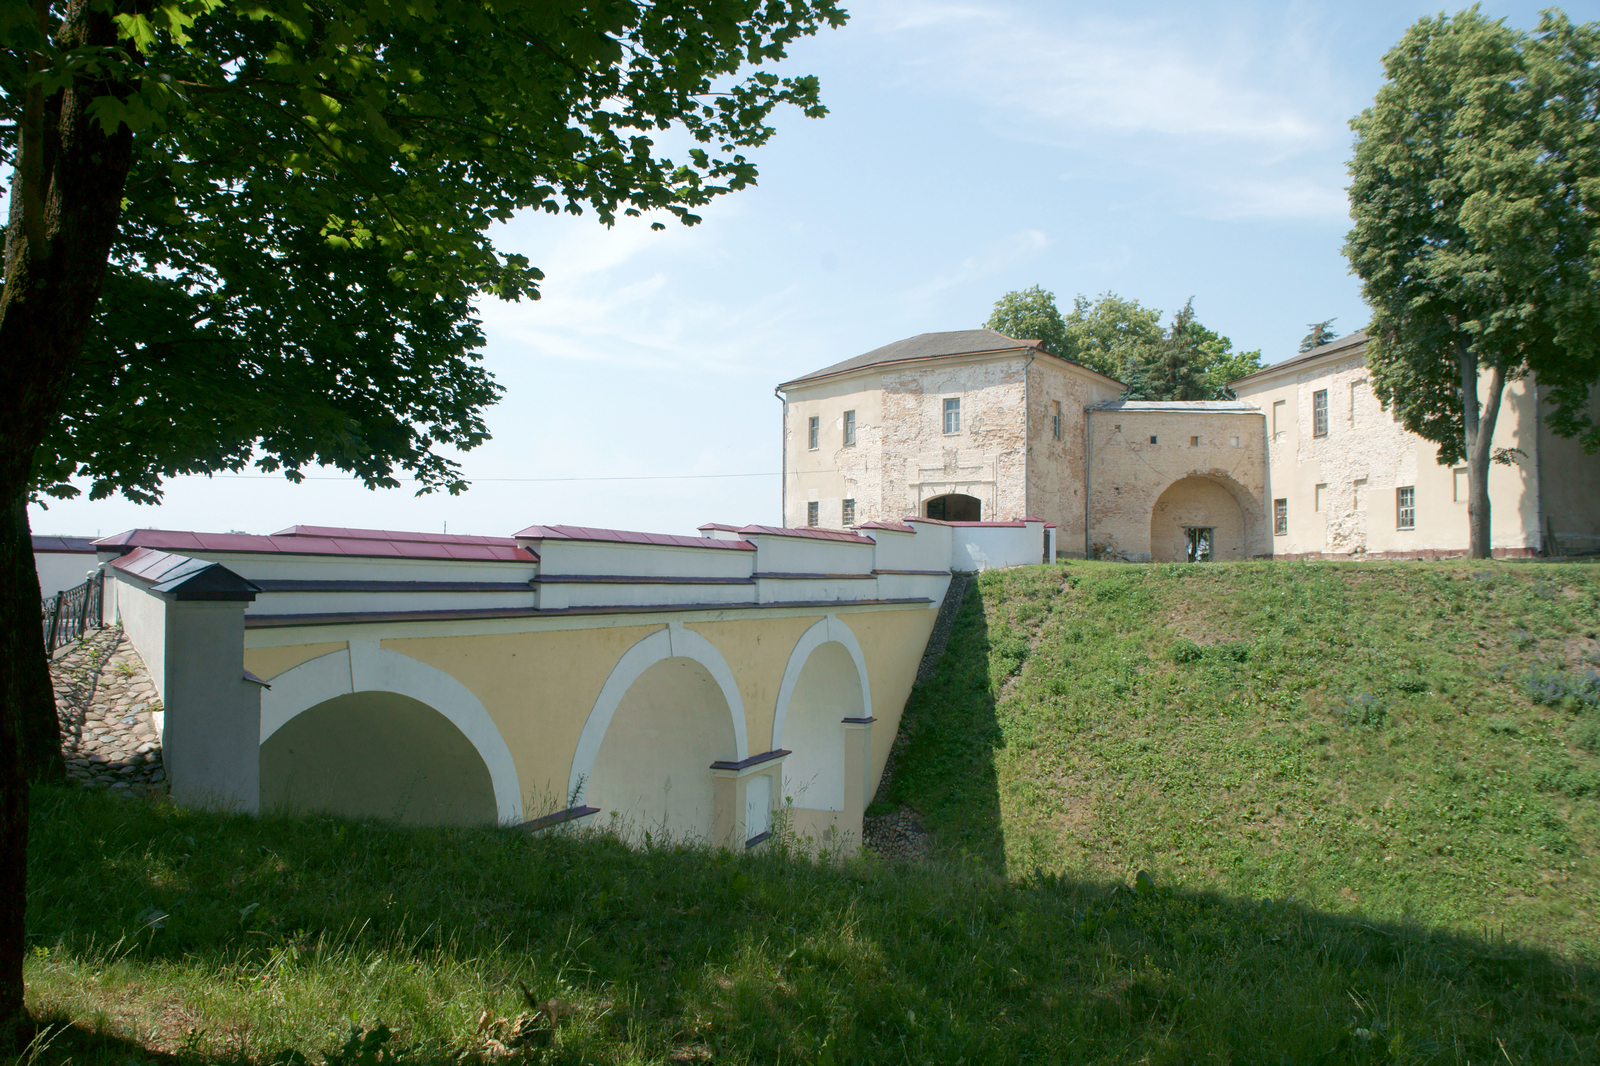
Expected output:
(234, 938)
(950, 735)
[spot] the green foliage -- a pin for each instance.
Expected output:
(445, 946)
(306, 220)
(1399, 740)
(1472, 191)
(1125, 340)
(1321, 333)
(1030, 314)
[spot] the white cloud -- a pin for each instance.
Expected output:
(987, 262)
(1291, 197)
(1123, 77)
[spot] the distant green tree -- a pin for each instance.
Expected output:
(1030, 314)
(1111, 334)
(1320, 334)
(1475, 192)
(1124, 339)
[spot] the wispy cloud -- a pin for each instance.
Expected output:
(987, 262)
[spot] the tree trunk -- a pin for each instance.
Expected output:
(1478, 438)
(66, 197)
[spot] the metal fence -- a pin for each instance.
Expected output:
(71, 613)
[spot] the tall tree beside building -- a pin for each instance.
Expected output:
(1475, 187)
(251, 233)
(1030, 314)
(1320, 333)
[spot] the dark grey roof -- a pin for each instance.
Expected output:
(1333, 347)
(931, 346)
(1226, 407)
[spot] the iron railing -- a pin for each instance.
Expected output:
(71, 613)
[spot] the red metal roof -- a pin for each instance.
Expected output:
(393, 535)
(301, 544)
(57, 545)
(721, 527)
(625, 536)
(898, 527)
(809, 531)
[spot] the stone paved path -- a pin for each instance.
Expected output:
(104, 698)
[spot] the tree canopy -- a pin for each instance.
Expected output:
(1474, 189)
(252, 233)
(1320, 333)
(1123, 339)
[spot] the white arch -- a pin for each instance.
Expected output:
(367, 667)
(673, 642)
(829, 629)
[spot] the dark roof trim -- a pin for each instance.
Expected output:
(297, 585)
(636, 579)
(571, 814)
(915, 573)
(754, 760)
(1332, 348)
(773, 576)
(285, 621)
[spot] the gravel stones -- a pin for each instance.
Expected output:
(897, 836)
(106, 701)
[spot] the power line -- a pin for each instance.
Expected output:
(521, 480)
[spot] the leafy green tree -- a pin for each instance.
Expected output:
(1321, 333)
(252, 232)
(1475, 187)
(1111, 334)
(1030, 314)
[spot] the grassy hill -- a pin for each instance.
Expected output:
(1244, 734)
(1405, 741)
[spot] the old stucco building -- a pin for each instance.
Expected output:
(974, 426)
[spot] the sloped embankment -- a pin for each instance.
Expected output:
(1400, 740)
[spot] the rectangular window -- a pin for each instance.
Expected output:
(1152, 438)
(1055, 422)
(1194, 442)
(1322, 494)
(849, 512)
(1280, 518)
(1279, 416)
(1236, 442)
(1360, 500)
(1319, 413)
(1405, 507)
(811, 513)
(813, 432)
(1461, 484)
(952, 415)
(1355, 387)
(849, 427)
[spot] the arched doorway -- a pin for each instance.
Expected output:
(1198, 518)
(827, 691)
(653, 769)
(377, 755)
(954, 507)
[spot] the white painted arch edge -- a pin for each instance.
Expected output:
(829, 629)
(367, 667)
(672, 642)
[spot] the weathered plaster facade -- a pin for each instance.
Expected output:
(1157, 469)
(1345, 484)
(902, 455)
(1306, 462)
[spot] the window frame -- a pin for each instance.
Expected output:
(813, 514)
(1280, 517)
(1405, 507)
(814, 433)
(849, 428)
(952, 407)
(847, 513)
(1055, 420)
(1319, 413)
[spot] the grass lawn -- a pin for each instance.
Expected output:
(1364, 797)
(1405, 741)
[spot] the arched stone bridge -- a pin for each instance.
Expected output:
(652, 683)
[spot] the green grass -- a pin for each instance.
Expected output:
(1411, 742)
(1364, 794)
(161, 934)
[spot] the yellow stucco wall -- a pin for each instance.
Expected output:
(538, 688)
(757, 654)
(268, 663)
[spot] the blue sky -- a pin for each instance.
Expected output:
(1161, 151)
